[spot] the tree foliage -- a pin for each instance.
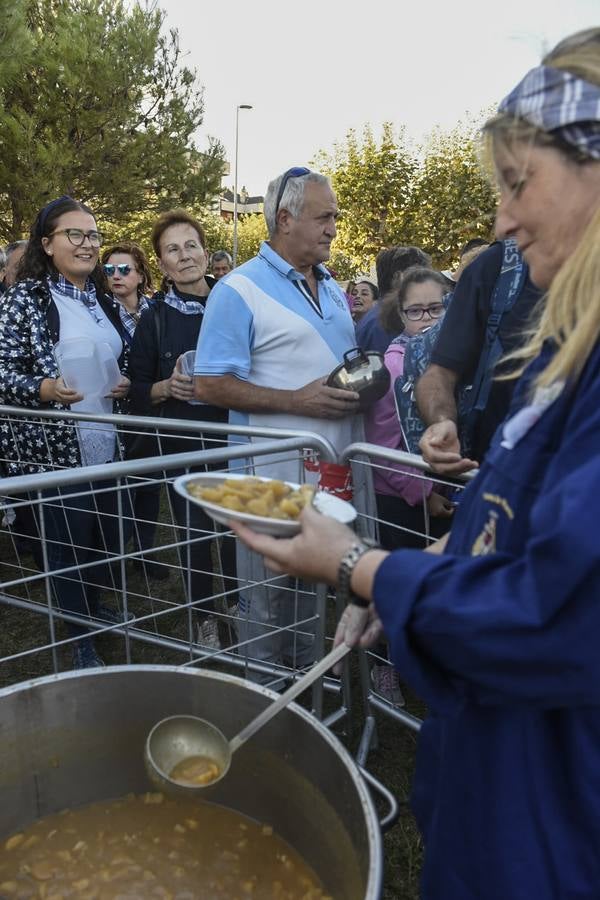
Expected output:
(451, 198)
(435, 197)
(252, 231)
(372, 183)
(97, 103)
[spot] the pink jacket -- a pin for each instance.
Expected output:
(383, 427)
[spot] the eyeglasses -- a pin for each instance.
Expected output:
(416, 313)
(121, 268)
(295, 172)
(76, 236)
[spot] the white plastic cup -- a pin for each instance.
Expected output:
(188, 361)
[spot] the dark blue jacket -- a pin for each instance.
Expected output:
(501, 637)
(370, 335)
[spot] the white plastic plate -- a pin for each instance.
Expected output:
(327, 504)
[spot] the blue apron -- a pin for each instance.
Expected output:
(501, 638)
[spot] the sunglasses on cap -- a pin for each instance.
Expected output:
(295, 172)
(121, 268)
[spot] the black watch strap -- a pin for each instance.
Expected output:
(346, 568)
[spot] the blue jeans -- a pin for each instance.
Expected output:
(79, 530)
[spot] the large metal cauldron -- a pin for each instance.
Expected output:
(71, 739)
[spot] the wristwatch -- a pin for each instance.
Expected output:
(346, 568)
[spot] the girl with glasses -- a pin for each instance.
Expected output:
(412, 306)
(60, 296)
(407, 502)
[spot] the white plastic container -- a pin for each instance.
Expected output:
(88, 368)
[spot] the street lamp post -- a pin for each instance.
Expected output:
(235, 186)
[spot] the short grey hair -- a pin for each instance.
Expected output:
(10, 249)
(2, 259)
(292, 198)
(219, 256)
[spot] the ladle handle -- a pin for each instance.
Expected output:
(273, 708)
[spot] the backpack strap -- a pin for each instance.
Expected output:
(509, 284)
(417, 356)
(506, 290)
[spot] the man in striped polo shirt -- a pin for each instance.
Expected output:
(274, 329)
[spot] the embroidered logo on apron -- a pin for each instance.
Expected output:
(486, 542)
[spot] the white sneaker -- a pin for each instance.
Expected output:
(208, 634)
(385, 682)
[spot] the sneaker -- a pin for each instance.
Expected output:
(84, 655)
(208, 634)
(113, 616)
(385, 682)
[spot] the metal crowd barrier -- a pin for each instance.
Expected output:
(165, 614)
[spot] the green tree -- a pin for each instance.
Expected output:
(451, 198)
(219, 232)
(99, 105)
(435, 198)
(372, 181)
(15, 42)
(252, 231)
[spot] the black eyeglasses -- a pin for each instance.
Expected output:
(416, 313)
(76, 236)
(295, 172)
(121, 268)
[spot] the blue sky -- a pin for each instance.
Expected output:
(314, 69)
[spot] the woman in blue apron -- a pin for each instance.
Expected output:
(498, 630)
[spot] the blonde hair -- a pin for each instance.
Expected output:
(570, 314)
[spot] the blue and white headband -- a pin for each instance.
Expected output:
(558, 102)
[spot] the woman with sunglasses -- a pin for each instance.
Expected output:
(129, 278)
(59, 296)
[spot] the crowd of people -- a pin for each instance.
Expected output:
(258, 355)
(486, 605)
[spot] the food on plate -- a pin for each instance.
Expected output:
(271, 499)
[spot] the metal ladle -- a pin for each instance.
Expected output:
(180, 737)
